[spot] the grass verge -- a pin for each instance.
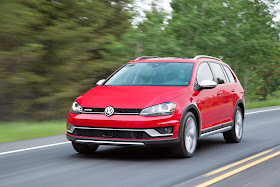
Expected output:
(261, 104)
(14, 131)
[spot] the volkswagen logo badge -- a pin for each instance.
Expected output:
(109, 111)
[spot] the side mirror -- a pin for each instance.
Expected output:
(207, 84)
(100, 82)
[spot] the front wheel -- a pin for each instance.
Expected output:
(85, 148)
(188, 139)
(236, 133)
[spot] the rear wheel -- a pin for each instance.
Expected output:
(85, 148)
(188, 139)
(235, 134)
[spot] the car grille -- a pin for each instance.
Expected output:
(111, 134)
(118, 111)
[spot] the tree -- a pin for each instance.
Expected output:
(51, 52)
(147, 38)
(242, 32)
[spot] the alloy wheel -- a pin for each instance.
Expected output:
(190, 135)
(238, 124)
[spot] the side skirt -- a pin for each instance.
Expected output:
(217, 129)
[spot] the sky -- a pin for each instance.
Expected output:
(142, 5)
(165, 4)
(145, 4)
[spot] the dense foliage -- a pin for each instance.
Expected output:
(51, 51)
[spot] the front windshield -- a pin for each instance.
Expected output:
(152, 74)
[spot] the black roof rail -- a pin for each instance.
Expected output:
(146, 57)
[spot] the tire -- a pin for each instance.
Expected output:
(84, 148)
(188, 137)
(236, 133)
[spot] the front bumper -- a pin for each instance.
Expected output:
(122, 142)
(127, 129)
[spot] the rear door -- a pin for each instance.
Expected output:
(232, 87)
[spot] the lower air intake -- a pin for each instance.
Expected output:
(91, 133)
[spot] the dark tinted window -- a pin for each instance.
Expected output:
(220, 76)
(204, 73)
(153, 74)
(229, 74)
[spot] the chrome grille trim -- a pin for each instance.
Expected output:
(114, 113)
(93, 112)
(118, 111)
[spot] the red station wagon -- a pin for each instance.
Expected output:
(160, 101)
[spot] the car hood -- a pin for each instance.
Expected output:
(129, 96)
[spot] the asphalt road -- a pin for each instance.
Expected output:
(264, 174)
(60, 165)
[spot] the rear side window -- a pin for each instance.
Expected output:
(204, 73)
(220, 76)
(229, 74)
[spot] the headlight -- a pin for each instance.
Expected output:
(159, 110)
(76, 108)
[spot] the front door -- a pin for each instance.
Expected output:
(207, 100)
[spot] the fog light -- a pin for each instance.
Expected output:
(70, 128)
(165, 130)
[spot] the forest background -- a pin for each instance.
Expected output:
(52, 51)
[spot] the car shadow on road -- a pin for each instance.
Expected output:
(142, 153)
(132, 153)
(204, 144)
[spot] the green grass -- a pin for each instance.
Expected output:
(14, 131)
(260, 104)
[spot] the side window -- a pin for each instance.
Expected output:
(227, 79)
(229, 74)
(220, 76)
(204, 73)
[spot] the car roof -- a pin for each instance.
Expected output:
(196, 59)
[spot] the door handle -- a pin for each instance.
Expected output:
(233, 90)
(219, 93)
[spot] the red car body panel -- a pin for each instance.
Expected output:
(129, 96)
(215, 105)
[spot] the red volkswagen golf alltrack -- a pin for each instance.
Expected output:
(166, 101)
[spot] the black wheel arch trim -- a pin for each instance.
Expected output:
(236, 104)
(185, 111)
